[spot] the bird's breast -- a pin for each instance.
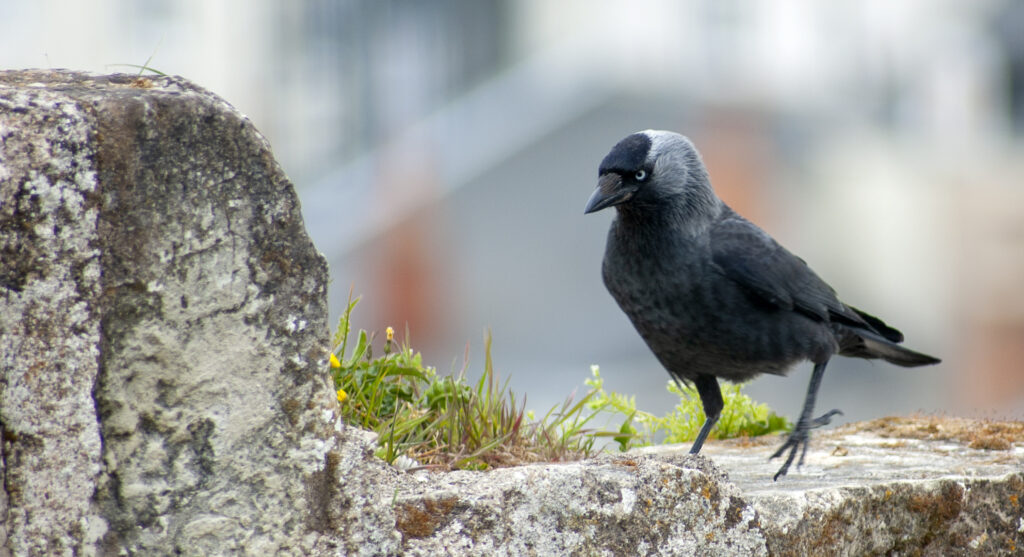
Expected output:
(657, 284)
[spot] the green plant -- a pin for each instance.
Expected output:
(444, 421)
(428, 420)
(741, 416)
(145, 65)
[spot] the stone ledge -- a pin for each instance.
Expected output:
(893, 485)
(862, 491)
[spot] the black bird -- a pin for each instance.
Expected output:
(712, 294)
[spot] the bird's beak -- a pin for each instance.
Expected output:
(609, 192)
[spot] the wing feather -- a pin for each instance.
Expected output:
(748, 256)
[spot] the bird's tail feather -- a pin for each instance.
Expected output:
(877, 346)
(879, 326)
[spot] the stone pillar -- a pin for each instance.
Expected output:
(162, 325)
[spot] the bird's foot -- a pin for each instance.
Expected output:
(800, 440)
(825, 418)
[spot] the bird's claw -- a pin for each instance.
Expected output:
(825, 418)
(800, 436)
(800, 439)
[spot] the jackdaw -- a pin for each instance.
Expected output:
(712, 294)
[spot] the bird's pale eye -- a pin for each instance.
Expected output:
(640, 175)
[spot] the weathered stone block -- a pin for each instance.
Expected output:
(163, 316)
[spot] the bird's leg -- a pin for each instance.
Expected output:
(711, 399)
(801, 436)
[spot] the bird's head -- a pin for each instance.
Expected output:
(654, 171)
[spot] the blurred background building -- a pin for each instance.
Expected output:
(444, 150)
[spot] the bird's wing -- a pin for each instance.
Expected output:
(748, 256)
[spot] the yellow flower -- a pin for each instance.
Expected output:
(334, 361)
(390, 333)
(342, 395)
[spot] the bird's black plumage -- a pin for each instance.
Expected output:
(713, 295)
